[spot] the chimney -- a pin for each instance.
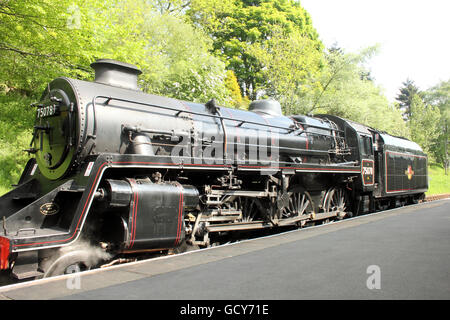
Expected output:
(116, 73)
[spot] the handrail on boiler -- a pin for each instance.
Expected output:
(178, 112)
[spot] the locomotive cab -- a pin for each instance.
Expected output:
(367, 161)
(360, 143)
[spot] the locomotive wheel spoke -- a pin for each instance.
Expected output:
(336, 200)
(249, 209)
(300, 203)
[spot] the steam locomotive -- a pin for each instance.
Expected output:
(117, 173)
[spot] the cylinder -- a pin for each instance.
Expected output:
(191, 197)
(119, 193)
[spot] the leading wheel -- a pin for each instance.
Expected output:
(77, 257)
(67, 263)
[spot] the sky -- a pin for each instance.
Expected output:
(413, 35)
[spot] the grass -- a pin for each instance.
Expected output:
(439, 183)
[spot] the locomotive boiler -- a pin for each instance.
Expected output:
(117, 173)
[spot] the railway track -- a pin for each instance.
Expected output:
(7, 281)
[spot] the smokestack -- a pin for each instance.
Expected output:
(116, 73)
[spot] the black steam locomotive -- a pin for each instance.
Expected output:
(119, 173)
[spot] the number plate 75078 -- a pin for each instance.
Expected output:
(47, 111)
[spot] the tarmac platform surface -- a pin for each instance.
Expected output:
(402, 253)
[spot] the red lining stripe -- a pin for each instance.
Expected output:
(307, 144)
(134, 213)
(79, 220)
(180, 214)
(101, 169)
(271, 132)
(89, 198)
(171, 163)
(298, 168)
(406, 154)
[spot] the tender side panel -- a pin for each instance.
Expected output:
(405, 172)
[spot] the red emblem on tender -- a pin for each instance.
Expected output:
(409, 172)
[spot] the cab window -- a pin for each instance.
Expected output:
(365, 145)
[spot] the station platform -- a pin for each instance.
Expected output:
(402, 253)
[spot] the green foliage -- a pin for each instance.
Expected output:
(176, 61)
(14, 138)
(232, 86)
(423, 123)
(291, 65)
(62, 38)
(347, 93)
(405, 97)
(37, 42)
(173, 7)
(439, 96)
(44, 39)
(238, 25)
(309, 82)
(230, 50)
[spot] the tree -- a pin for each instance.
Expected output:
(308, 82)
(62, 38)
(235, 95)
(439, 96)
(175, 58)
(238, 25)
(37, 40)
(424, 124)
(173, 7)
(343, 92)
(291, 65)
(44, 39)
(405, 96)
